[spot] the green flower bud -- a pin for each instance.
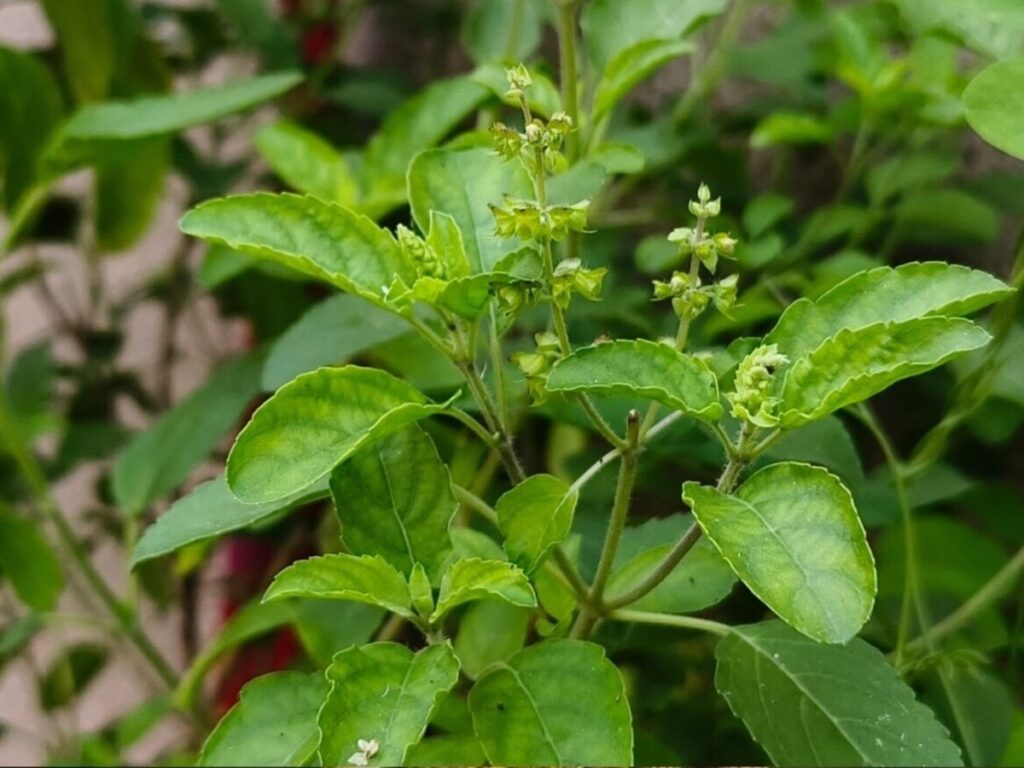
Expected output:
(506, 142)
(725, 293)
(518, 78)
(724, 244)
(752, 400)
(560, 124)
(535, 132)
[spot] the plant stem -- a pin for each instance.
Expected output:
(911, 598)
(497, 362)
(993, 589)
(10, 438)
(737, 462)
(613, 454)
(568, 74)
(620, 512)
(667, 620)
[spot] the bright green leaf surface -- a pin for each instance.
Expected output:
(462, 183)
(159, 459)
(211, 510)
(330, 333)
(154, 115)
(364, 579)
(994, 105)
(394, 499)
(307, 163)
(315, 238)
(792, 534)
(474, 579)
(534, 517)
(853, 365)
(632, 66)
(383, 692)
(884, 295)
(813, 704)
(273, 723)
(28, 562)
(314, 423)
(702, 579)
(640, 368)
(560, 702)
(491, 631)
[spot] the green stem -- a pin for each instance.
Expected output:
(620, 512)
(10, 438)
(666, 620)
(497, 361)
(568, 73)
(715, 66)
(995, 588)
(911, 598)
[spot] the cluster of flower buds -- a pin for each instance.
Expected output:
(538, 138)
(419, 252)
(527, 220)
(752, 400)
(570, 277)
(690, 298)
(514, 297)
(536, 365)
(695, 242)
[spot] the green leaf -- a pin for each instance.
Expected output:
(394, 499)
(318, 239)
(854, 365)
(491, 631)
(327, 626)
(463, 183)
(159, 459)
(790, 128)
(29, 563)
(701, 580)
(156, 115)
(792, 534)
(534, 517)
(560, 702)
(994, 106)
(498, 29)
(313, 424)
(946, 217)
(30, 103)
(128, 190)
(631, 66)
(383, 692)
(307, 163)
(447, 749)
(273, 723)
(812, 704)
(86, 33)
(612, 26)
(209, 511)
(992, 27)
(418, 124)
(329, 333)
(472, 579)
(640, 368)
(366, 579)
(884, 295)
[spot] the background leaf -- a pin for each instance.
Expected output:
(365, 579)
(29, 563)
(534, 517)
(994, 106)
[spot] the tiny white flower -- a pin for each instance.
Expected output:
(358, 758)
(370, 748)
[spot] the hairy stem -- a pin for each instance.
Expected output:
(667, 620)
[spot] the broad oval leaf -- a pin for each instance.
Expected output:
(211, 510)
(160, 458)
(307, 163)
(813, 704)
(316, 238)
(490, 631)
(701, 580)
(364, 579)
(384, 692)
(394, 499)
(534, 517)
(994, 106)
(464, 183)
(641, 368)
(560, 702)
(154, 115)
(853, 365)
(632, 66)
(792, 534)
(273, 723)
(314, 423)
(884, 295)
(472, 579)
